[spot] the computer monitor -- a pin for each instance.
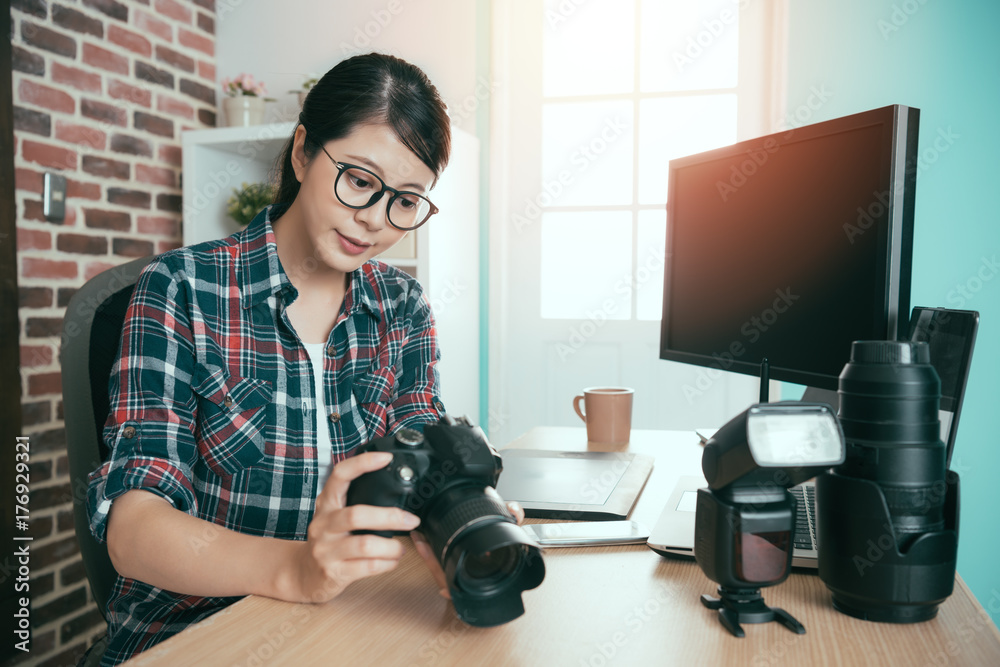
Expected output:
(791, 246)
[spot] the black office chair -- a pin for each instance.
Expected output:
(92, 330)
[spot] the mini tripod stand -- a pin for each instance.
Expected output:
(747, 606)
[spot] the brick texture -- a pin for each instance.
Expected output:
(102, 90)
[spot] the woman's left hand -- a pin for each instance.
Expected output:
(427, 553)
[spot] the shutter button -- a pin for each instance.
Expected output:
(228, 401)
(129, 432)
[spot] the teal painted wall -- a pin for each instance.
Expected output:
(942, 57)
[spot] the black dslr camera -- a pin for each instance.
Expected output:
(446, 476)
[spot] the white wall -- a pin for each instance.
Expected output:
(284, 42)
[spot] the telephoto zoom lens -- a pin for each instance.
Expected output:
(888, 516)
(889, 398)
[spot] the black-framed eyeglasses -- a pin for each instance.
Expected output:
(357, 188)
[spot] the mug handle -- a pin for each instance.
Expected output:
(576, 406)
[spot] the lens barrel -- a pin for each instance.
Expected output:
(487, 558)
(887, 517)
(889, 398)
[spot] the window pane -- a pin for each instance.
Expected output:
(688, 46)
(587, 265)
(651, 249)
(589, 48)
(586, 153)
(677, 126)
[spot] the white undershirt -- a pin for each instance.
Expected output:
(323, 449)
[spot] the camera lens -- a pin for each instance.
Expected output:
(447, 476)
(889, 395)
(487, 558)
(887, 517)
(483, 572)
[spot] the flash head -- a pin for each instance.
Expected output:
(801, 439)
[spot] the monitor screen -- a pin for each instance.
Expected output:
(791, 246)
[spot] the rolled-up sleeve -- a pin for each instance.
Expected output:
(150, 427)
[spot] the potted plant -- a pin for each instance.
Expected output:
(244, 204)
(244, 101)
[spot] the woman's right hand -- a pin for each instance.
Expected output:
(331, 558)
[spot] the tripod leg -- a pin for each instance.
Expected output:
(731, 620)
(788, 621)
(710, 602)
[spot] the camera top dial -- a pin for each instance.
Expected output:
(409, 437)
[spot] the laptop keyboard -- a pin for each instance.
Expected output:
(805, 517)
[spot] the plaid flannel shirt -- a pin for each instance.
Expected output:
(213, 405)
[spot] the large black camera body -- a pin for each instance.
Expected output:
(888, 517)
(447, 476)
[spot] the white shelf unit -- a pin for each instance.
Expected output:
(446, 249)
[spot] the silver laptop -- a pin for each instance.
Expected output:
(674, 531)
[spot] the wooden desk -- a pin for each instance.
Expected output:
(597, 606)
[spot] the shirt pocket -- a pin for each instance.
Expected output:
(231, 419)
(373, 392)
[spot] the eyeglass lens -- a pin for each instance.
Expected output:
(357, 188)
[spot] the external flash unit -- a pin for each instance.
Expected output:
(745, 518)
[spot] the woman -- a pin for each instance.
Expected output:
(252, 365)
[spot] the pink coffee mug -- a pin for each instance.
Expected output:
(608, 414)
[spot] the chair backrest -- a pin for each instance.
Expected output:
(92, 330)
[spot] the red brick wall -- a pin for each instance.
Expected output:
(102, 91)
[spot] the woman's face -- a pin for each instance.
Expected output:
(345, 238)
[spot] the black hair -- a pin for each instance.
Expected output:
(366, 89)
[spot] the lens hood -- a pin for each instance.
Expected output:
(488, 566)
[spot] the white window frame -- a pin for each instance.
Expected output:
(518, 28)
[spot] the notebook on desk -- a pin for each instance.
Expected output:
(573, 486)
